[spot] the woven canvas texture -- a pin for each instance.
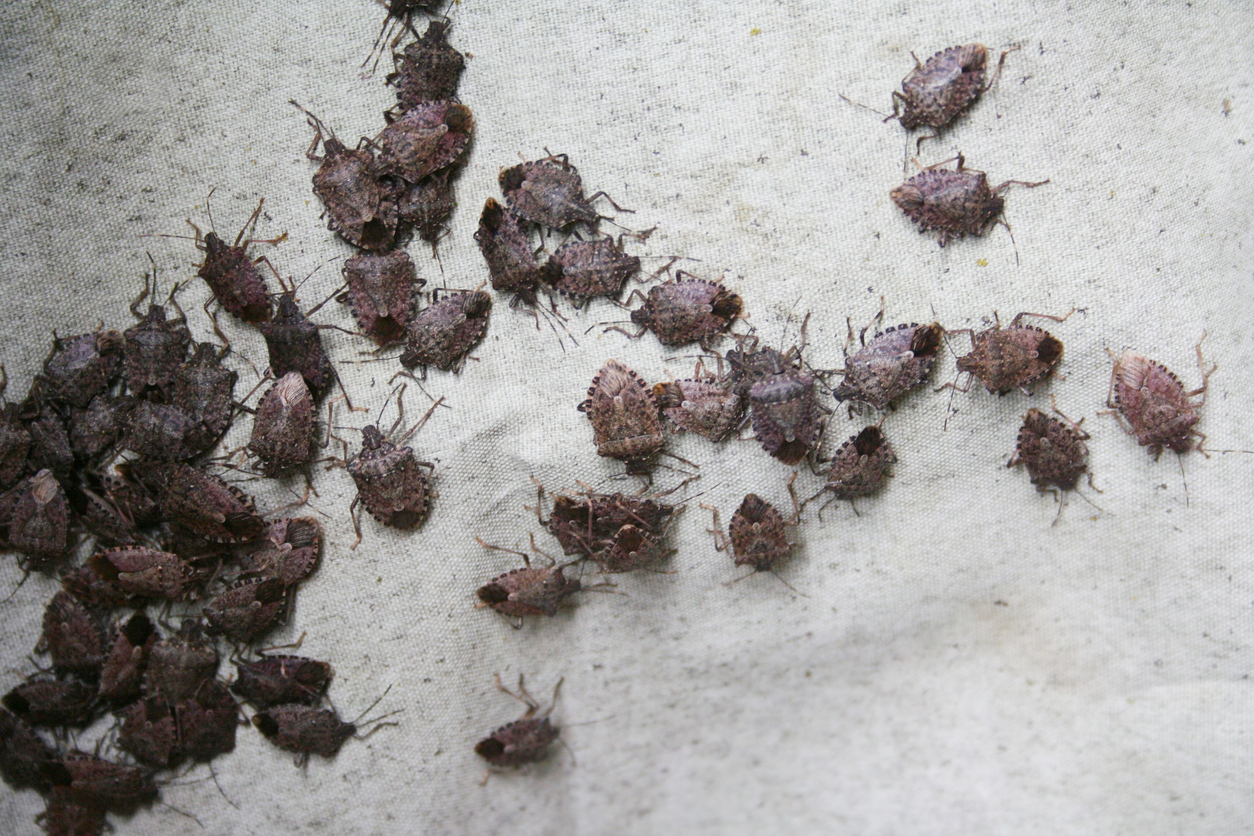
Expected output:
(950, 661)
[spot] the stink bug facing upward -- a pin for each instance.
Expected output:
(1054, 453)
(232, 274)
(1154, 404)
(757, 534)
(527, 739)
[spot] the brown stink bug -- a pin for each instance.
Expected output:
(1154, 404)
(282, 680)
(162, 431)
(289, 551)
(859, 466)
(44, 701)
(393, 486)
(1054, 453)
(154, 348)
(306, 730)
(203, 388)
(706, 404)
(632, 548)
(295, 345)
(787, 419)
(428, 137)
(581, 270)
(73, 637)
(205, 504)
(179, 665)
(103, 785)
(94, 430)
(527, 739)
(284, 427)
(895, 361)
(232, 275)
(427, 204)
(1015, 357)
(150, 733)
(146, 573)
(935, 93)
(512, 265)
(587, 523)
(62, 817)
(40, 524)
(549, 192)
(15, 444)
(953, 203)
(687, 310)
(24, 755)
(122, 676)
(207, 722)
(528, 591)
(758, 533)
(247, 610)
(444, 332)
(624, 417)
(381, 289)
(82, 367)
(357, 205)
(428, 69)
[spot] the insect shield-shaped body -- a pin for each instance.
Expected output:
(587, 524)
(233, 276)
(758, 534)
(73, 637)
(62, 816)
(24, 756)
(103, 785)
(392, 485)
(624, 417)
(1013, 357)
(548, 192)
(288, 551)
(1054, 453)
(296, 346)
(44, 701)
(512, 265)
(891, 364)
(180, 665)
(953, 203)
(204, 504)
(428, 70)
(707, 406)
(1158, 410)
(860, 465)
(356, 203)
(443, 333)
(122, 676)
(786, 418)
(381, 289)
(282, 680)
(429, 137)
(283, 429)
(687, 310)
(82, 367)
(935, 93)
(528, 591)
(307, 731)
(39, 525)
(582, 270)
(144, 572)
(247, 609)
(153, 350)
(527, 739)
(427, 204)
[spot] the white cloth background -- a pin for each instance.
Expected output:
(959, 665)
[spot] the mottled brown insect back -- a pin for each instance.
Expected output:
(586, 524)
(527, 739)
(150, 733)
(40, 526)
(548, 192)
(203, 387)
(72, 637)
(581, 270)
(161, 431)
(528, 591)
(381, 288)
(62, 817)
(304, 730)
(15, 443)
(391, 484)
(103, 785)
(427, 204)
(895, 361)
(154, 349)
(687, 310)
(206, 505)
(122, 676)
(1155, 405)
(233, 276)
(357, 205)
(44, 701)
(179, 665)
(80, 368)
(860, 465)
(1053, 452)
(953, 203)
(512, 266)
(935, 93)
(94, 430)
(444, 332)
(207, 722)
(247, 609)
(428, 69)
(284, 426)
(289, 551)
(282, 680)
(632, 549)
(295, 345)
(757, 534)
(145, 572)
(1015, 357)
(24, 755)
(708, 406)
(429, 137)
(786, 418)
(624, 417)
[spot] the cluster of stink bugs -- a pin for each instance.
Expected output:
(114, 454)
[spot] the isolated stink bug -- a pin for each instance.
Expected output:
(935, 93)
(1013, 357)
(527, 739)
(1155, 405)
(953, 203)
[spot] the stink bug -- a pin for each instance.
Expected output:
(707, 405)
(895, 361)
(1155, 405)
(512, 265)
(154, 348)
(953, 203)
(859, 466)
(393, 486)
(284, 426)
(428, 137)
(295, 345)
(1053, 453)
(582, 270)
(624, 417)
(282, 680)
(935, 93)
(428, 69)
(82, 367)
(444, 332)
(686, 310)
(72, 636)
(758, 533)
(528, 591)
(247, 610)
(1015, 357)
(232, 275)
(527, 739)
(306, 730)
(549, 192)
(103, 785)
(381, 289)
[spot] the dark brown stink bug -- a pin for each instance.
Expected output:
(1156, 407)
(787, 419)
(587, 524)
(687, 310)
(205, 504)
(282, 680)
(1054, 453)
(381, 288)
(512, 265)
(284, 426)
(705, 404)
(427, 204)
(80, 368)
(953, 203)
(859, 466)
(527, 739)
(549, 192)
(429, 137)
(895, 361)
(1010, 358)
(393, 486)
(757, 533)
(582, 270)
(232, 275)
(443, 333)
(72, 636)
(154, 348)
(532, 590)
(357, 205)
(624, 417)
(428, 69)
(305, 730)
(935, 93)
(295, 345)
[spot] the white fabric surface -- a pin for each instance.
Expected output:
(959, 665)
